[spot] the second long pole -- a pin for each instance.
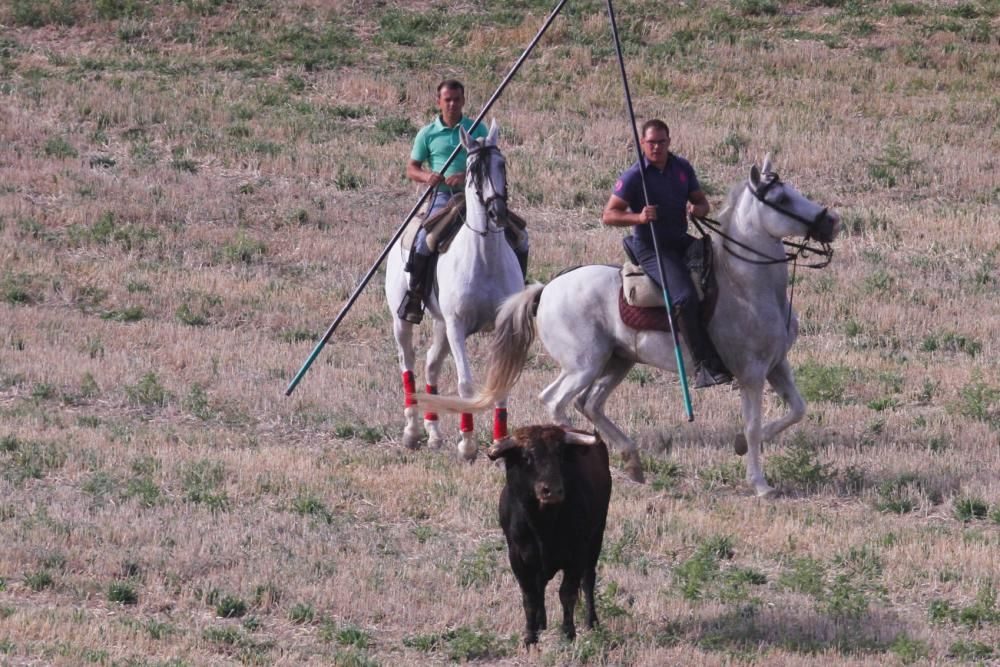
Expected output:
(682, 375)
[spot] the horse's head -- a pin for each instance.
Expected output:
(486, 174)
(793, 214)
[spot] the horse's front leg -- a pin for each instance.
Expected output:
(783, 382)
(500, 420)
(468, 448)
(436, 355)
(752, 395)
(403, 332)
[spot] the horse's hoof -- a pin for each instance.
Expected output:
(633, 468)
(468, 449)
(740, 445)
(766, 492)
(411, 441)
(434, 439)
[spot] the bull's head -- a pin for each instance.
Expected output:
(534, 456)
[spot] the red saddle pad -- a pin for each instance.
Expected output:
(643, 319)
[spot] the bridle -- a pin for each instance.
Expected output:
(481, 173)
(798, 250)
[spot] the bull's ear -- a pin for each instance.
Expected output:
(502, 448)
(578, 438)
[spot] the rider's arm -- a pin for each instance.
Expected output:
(698, 205)
(415, 172)
(617, 213)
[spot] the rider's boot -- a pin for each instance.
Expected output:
(709, 368)
(412, 307)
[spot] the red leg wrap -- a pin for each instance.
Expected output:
(409, 388)
(431, 416)
(466, 424)
(499, 423)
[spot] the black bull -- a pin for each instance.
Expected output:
(553, 510)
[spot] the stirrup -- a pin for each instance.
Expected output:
(412, 309)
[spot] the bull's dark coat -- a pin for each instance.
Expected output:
(553, 510)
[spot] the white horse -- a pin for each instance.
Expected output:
(474, 276)
(752, 327)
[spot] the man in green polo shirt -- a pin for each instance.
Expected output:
(433, 146)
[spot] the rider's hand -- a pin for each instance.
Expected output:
(455, 180)
(434, 179)
(647, 215)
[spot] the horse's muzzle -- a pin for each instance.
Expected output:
(497, 212)
(825, 227)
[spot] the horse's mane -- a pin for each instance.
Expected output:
(726, 212)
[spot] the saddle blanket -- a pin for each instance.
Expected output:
(642, 319)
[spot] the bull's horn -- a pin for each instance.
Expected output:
(577, 438)
(499, 448)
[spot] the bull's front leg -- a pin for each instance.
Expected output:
(589, 580)
(534, 613)
(569, 593)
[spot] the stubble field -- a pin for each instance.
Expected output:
(190, 190)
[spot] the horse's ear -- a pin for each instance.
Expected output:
(767, 168)
(491, 138)
(464, 137)
(754, 177)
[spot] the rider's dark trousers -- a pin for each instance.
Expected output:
(679, 283)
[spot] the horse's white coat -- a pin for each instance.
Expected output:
(580, 327)
(477, 273)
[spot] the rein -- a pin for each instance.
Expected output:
(800, 250)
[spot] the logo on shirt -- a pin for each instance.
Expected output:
(619, 185)
(683, 177)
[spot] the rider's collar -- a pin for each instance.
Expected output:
(666, 166)
(441, 127)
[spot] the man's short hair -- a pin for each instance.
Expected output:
(655, 123)
(451, 84)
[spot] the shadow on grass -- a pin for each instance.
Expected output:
(749, 629)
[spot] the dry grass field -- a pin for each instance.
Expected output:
(190, 189)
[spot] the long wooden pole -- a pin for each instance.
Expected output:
(685, 392)
(413, 211)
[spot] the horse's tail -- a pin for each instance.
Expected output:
(513, 334)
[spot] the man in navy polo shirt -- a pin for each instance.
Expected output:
(674, 193)
(433, 145)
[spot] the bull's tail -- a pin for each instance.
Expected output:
(513, 335)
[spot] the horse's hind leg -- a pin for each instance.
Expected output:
(591, 404)
(436, 355)
(567, 386)
(783, 382)
(752, 395)
(403, 332)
